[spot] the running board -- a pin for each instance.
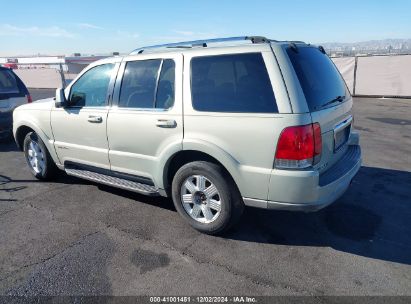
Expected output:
(113, 181)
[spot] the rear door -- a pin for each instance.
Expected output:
(146, 118)
(327, 98)
(234, 110)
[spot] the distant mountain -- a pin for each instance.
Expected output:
(371, 45)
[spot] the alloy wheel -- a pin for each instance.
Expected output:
(201, 199)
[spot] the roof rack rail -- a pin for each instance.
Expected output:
(202, 43)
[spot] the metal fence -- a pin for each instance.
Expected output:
(377, 76)
(347, 52)
(373, 75)
(44, 76)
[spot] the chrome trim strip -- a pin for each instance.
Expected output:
(125, 109)
(343, 124)
(113, 181)
(337, 129)
(160, 68)
(297, 207)
(252, 202)
(256, 203)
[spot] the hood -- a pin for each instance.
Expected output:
(42, 104)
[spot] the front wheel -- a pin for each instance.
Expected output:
(206, 196)
(38, 158)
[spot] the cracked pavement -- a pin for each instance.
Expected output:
(73, 237)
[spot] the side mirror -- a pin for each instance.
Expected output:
(61, 100)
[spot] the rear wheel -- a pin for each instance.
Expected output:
(38, 158)
(206, 197)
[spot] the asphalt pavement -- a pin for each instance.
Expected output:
(73, 237)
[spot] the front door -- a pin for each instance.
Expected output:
(146, 121)
(79, 129)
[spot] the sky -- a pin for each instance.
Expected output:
(97, 27)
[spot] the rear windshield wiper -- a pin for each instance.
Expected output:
(336, 99)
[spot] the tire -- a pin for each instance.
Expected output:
(223, 201)
(35, 151)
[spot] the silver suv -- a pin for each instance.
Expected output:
(216, 124)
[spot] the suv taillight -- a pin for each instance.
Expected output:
(29, 99)
(299, 147)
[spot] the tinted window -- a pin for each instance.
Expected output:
(91, 88)
(8, 83)
(231, 83)
(139, 84)
(144, 87)
(165, 90)
(318, 76)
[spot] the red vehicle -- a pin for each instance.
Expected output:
(12, 66)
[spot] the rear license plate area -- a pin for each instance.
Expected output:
(341, 137)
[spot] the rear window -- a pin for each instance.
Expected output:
(232, 83)
(319, 78)
(8, 82)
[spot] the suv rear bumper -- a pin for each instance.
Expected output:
(308, 190)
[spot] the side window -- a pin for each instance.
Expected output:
(8, 83)
(232, 83)
(90, 90)
(165, 89)
(144, 85)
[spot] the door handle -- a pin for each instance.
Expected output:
(95, 119)
(166, 123)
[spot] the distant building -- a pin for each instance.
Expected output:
(72, 65)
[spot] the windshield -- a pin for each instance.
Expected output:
(320, 80)
(8, 83)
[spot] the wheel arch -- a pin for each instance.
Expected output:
(182, 157)
(24, 128)
(20, 134)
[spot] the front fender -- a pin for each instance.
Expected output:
(42, 130)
